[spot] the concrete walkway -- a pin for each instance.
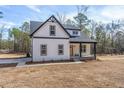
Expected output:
(33, 65)
(20, 64)
(20, 61)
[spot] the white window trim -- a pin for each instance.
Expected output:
(43, 49)
(52, 30)
(61, 49)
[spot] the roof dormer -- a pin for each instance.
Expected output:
(74, 32)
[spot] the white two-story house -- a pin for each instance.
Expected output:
(53, 41)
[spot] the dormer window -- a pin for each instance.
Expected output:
(52, 30)
(75, 32)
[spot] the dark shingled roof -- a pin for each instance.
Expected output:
(70, 27)
(82, 38)
(34, 25)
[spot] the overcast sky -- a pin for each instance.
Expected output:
(16, 15)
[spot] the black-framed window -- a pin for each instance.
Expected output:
(43, 50)
(52, 29)
(75, 32)
(83, 48)
(61, 49)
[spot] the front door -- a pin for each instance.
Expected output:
(74, 50)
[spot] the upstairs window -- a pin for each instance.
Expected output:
(43, 50)
(60, 49)
(83, 48)
(52, 30)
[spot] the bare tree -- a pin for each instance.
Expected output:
(1, 14)
(81, 18)
(1, 35)
(82, 9)
(61, 18)
(119, 41)
(92, 26)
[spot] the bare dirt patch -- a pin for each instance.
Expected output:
(11, 55)
(104, 73)
(109, 57)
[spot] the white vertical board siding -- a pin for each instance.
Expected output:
(44, 31)
(71, 32)
(52, 49)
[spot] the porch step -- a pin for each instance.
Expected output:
(76, 59)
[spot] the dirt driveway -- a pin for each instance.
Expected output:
(102, 73)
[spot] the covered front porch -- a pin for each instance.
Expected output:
(82, 50)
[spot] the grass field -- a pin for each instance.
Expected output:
(108, 71)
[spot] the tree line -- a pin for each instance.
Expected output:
(18, 39)
(109, 36)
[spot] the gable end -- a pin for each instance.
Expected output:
(52, 19)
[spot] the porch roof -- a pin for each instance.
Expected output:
(82, 38)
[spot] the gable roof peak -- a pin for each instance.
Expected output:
(52, 16)
(55, 19)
